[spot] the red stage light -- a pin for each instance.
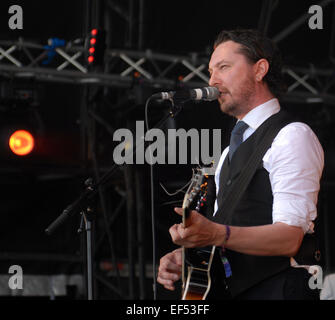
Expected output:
(21, 142)
(96, 47)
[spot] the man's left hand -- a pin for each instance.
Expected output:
(200, 231)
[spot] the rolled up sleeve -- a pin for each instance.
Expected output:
(295, 162)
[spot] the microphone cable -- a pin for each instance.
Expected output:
(153, 222)
(152, 196)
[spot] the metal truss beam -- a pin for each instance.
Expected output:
(265, 15)
(21, 59)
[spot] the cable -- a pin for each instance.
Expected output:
(152, 208)
(177, 191)
(176, 109)
(174, 202)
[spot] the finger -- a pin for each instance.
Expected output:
(166, 275)
(167, 279)
(171, 287)
(169, 266)
(179, 211)
(174, 232)
(172, 267)
(183, 232)
(168, 284)
(179, 259)
(178, 234)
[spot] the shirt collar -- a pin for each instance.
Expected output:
(255, 117)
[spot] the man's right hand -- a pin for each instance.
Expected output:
(170, 269)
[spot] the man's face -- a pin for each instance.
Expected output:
(233, 75)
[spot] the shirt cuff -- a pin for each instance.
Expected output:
(298, 213)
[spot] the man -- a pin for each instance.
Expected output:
(267, 227)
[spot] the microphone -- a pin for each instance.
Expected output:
(205, 93)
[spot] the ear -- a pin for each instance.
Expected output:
(261, 68)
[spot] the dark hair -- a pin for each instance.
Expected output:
(255, 46)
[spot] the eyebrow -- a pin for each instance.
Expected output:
(219, 62)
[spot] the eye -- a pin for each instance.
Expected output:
(222, 66)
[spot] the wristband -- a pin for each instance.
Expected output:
(227, 235)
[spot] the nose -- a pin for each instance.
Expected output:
(213, 80)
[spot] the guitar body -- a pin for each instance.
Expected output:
(203, 273)
(205, 276)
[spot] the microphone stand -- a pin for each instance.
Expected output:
(82, 204)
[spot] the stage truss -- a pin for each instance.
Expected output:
(22, 59)
(159, 71)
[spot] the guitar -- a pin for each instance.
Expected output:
(201, 265)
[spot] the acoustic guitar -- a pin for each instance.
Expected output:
(204, 270)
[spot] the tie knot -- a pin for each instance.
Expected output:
(239, 128)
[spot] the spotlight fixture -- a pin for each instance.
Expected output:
(21, 142)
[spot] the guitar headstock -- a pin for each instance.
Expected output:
(196, 193)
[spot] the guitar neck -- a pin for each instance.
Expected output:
(186, 214)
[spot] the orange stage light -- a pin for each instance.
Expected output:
(21, 142)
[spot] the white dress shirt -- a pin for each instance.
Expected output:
(294, 161)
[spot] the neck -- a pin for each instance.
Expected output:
(257, 99)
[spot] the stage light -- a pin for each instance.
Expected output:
(96, 47)
(21, 142)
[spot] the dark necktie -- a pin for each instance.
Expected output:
(236, 137)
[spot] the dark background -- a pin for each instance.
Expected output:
(36, 189)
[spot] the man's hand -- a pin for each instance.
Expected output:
(170, 269)
(200, 231)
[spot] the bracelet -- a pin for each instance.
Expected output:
(227, 234)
